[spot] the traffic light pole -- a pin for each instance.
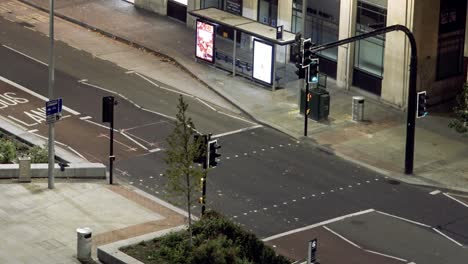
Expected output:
(205, 167)
(306, 103)
(411, 117)
(111, 151)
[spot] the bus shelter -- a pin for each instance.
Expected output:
(264, 45)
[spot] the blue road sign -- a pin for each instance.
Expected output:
(54, 107)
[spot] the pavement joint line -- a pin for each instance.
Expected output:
(342, 237)
(455, 199)
(435, 192)
(385, 255)
(26, 90)
(317, 224)
(25, 55)
(404, 219)
(446, 236)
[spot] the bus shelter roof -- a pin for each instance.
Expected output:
(243, 24)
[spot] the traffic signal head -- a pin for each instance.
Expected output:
(421, 104)
(107, 109)
(213, 153)
(202, 141)
(313, 70)
(306, 53)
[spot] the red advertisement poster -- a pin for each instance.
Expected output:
(205, 41)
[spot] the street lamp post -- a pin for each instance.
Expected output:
(51, 142)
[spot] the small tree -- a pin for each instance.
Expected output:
(181, 173)
(460, 123)
(7, 151)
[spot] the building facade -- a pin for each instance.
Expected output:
(379, 65)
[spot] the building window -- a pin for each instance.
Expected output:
(322, 23)
(369, 53)
(268, 12)
(212, 3)
(451, 38)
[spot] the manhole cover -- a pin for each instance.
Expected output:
(393, 182)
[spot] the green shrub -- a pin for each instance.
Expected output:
(219, 250)
(38, 154)
(7, 151)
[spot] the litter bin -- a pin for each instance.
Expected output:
(84, 242)
(358, 108)
(24, 169)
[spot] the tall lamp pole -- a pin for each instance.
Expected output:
(51, 97)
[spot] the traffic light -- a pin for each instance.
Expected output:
(212, 154)
(307, 53)
(421, 104)
(297, 55)
(313, 70)
(107, 109)
(201, 200)
(202, 141)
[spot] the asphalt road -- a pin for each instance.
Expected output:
(266, 181)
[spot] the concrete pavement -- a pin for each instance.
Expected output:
(39, 225)
(440, 154)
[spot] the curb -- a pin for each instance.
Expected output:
(420, 181)
(111, 254)
(141, 47)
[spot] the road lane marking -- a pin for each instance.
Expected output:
(342, 237)
(385, 255)
(76, 152)
(99, 125)
(446, 236)
(317, 224)
(118, 142)
(133, 140)
(154, 150)
(85, 117)
(33, 130)
(435, 192)
(404, 219)
(22, 122)
(206, 104)
(164, 88)
(25, 55)
(455, 199)
(236, 131)
(357, 246)
(24, 89)
(236, 117)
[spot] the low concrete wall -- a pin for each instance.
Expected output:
(110, 253)
(75, 170)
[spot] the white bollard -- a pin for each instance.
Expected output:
(84, 243)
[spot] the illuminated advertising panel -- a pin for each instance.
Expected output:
(263, 62)
(204, 49)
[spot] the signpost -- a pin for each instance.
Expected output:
(53, 110)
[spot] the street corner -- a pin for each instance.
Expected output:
(330, 248)
(370, 237)
(161, 215)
